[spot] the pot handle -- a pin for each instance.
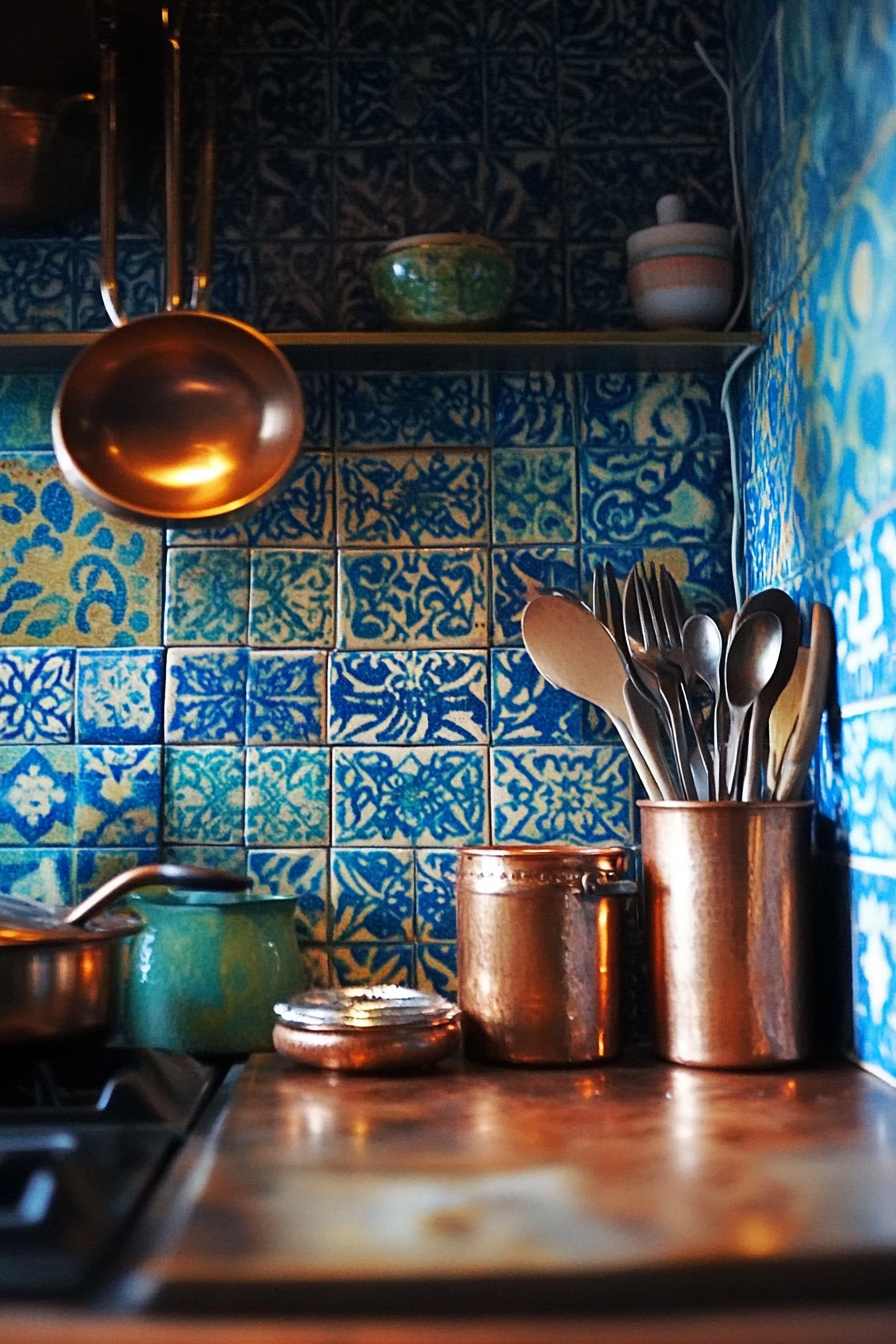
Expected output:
(109, 166)
(186, 875)
(595, 890)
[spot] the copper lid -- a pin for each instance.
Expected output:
(360, 1008)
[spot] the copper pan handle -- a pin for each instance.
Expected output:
(109, 166)
(184, 875)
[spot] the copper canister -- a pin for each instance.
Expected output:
(728, 907)
(539, 952)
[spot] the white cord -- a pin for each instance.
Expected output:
(737, 524)
(735, 183)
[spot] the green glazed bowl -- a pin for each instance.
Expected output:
(444, 282)
(206, 971)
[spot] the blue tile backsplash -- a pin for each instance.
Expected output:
(332, 695)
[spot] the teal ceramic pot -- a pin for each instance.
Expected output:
(444, 282)
(206, 971)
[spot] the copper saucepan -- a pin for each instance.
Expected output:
(183, 417)
(60, 969)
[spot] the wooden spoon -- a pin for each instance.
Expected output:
(801, 746)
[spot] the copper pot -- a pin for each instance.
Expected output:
(539, 952)
(48, 144)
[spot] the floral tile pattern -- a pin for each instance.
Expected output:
(302, 872)
(37, 795)
(93, 867)
(44, 875)
(521, 573)
(874, 968)
(70, 575)
(534, 410)
(204, 795)
(207, 595)
(287, 796)
(413, 499)
(119, 695)
(119, 794)
(292, 599)
(414, 696)
(578, 795)
(37, 695)
(640, 497)
(286, 698)
(436, 874)
(411, 410)
(302, 514)
(372, 964)
(412, 599)
(205, 695)
(437, 969)
(526, 708)
(373, 895)
(399, 796)
(534, 496)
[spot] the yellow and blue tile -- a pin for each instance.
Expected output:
(425, 696)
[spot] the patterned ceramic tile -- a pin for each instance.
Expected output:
(509, 194)
(293, 282)
(436, 873)
(26, 405)
(205, 695)
(437, 969)
(403, 697)
(516, 26)
(45, 875)
(204, 795)
(232, 858)
(300, 871)
(291, 92)
(409, 796)
(526, 708)
(642, 497)
(287, 796)
(25, 306)
(93, 867)
(292, 598)
(315, 966)
(869, 776)
(405, 410)
(534, 410)
(37, 697)
(640, 177)
(37, 795)
(207, 598)
(413, 499)
(70, 574)
(521, 100)
(372, 964)
(575, 794)
(302, 514)
(703, 573)
(539, 301)
(373, 895)
(294, 192)
(119, 793)
(607, 402)
(521, 573)
(874, 968)
(618, 100)
(119, 695)
(596, 291)
(370, 25)
(534, 495)
(432, 98)
(412, 598)
(371, 192)
(863, 576)
(286, 698)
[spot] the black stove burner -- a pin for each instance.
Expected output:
(83, 1138)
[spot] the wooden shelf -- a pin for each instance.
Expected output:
(396, 350)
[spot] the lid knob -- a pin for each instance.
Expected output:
(671, 209)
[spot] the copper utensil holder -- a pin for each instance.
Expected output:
(727, 893)
(539, 952)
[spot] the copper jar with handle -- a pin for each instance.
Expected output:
(539, 952)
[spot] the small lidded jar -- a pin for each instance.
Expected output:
(680, 273)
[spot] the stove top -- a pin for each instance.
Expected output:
(84, 1136)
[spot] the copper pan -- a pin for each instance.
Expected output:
(183, 417)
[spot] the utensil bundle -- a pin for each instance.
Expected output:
(705, 715)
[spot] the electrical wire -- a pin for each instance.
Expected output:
(737, 524)
(735, 184)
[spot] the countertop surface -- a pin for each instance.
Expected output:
(493, 1190)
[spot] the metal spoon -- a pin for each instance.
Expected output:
(783, 606)
(703, 647)
(750, 663)
(577, 653)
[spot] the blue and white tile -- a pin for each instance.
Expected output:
(521, 573)
(607, 408)
(372, 895)
(37, 695)
(521, 100)
(286, 698)
(413, 599)
(437, 969)
(93, 867)
(26, 307)
(315, 966)
(26, 408)
(294, 192)
(287, 796)
(863, 577)
(370, 192)
(229, 858)
(577, 795)
(411, 410)
(317, 392)
(413, 499)
(526, 708)
(292, 599)
(703, 573)
(37, 795)
(70, 575)
(430, 796)
(698, 172)
(534, 410)
(119, 795)
(292, 98)
(302, 873)
(869, 778)
(436, 906)
(597, 296)
(615, 100)
(119, 695)
(353, 305)
(372, 964)
(45, 875)
(874, 968)
(408, 696)
(205, 695)
(293, 282)
(678, 410)
(534, 498)
(511, 26)
(370, 26)
(208, 595)
(204, 795)
(539, 296)
(302, 513)
(642, 497)
(434, 98)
